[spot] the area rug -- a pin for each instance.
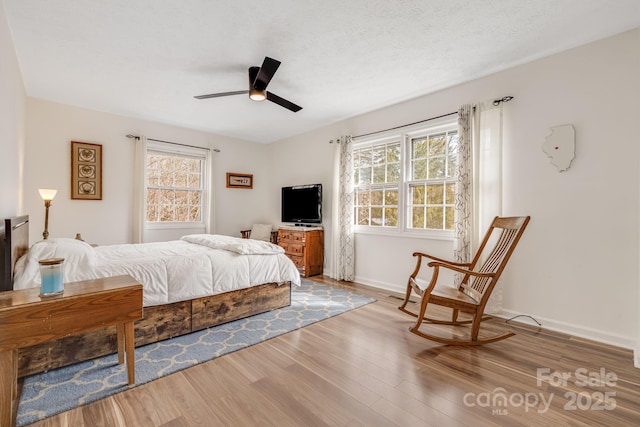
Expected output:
(59, 390)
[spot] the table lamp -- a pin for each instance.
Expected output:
(47, 195)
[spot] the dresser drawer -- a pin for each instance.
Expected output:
(291, 236)
(294, 249)
(298, 261)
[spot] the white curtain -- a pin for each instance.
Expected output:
(139, 180)
(487, 153)
(210, 225)
(342, 213)
(479, 182)
(488, 166)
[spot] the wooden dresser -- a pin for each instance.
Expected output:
(305, 247)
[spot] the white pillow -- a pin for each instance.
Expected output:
(79, 261)
(261, 232)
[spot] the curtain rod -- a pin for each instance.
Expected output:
(174, 143)
(496, 102)
(408, 124)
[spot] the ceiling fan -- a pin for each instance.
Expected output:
(259, 78)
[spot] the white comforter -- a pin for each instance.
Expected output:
(195, 266)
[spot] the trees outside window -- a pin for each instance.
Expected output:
(176, 187)
(406, 182)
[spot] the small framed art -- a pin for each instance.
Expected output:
(86, 171)
(239, 180)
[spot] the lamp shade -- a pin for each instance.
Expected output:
(47, 194)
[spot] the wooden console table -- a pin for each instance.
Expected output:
(27, 319)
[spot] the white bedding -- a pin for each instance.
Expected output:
(195, 266)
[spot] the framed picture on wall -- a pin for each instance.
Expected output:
(86, 171)
(239, 180)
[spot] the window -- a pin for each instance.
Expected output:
(176, 189)
(431, 183)
(406, 182)
(377, 172)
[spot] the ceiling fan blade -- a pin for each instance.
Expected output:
(283, 102)
(267, 70)
(217, 95)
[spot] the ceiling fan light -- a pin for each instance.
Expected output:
(257, 95)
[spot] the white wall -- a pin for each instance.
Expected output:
(12, 124)
(51, 127)
(576, 268)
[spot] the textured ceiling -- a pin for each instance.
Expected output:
(148, 58)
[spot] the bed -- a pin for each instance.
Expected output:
(189, 284)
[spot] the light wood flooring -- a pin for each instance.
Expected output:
(363, 368)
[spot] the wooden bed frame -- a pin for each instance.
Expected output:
(159, 322)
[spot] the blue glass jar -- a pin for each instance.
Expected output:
(51, 280)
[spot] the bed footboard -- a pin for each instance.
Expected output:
(159, 323)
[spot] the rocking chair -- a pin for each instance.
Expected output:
(475, 288)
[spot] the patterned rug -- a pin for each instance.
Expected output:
(59, 390)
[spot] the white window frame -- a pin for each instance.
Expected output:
(181, 151)
(404, 136)
(382, 186)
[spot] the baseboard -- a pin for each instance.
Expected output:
(550, 324)
(396, 288)
(577, 330)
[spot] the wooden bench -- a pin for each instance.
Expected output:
(27, 319)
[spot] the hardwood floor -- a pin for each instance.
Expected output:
(363, 368)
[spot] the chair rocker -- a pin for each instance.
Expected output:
(475, 287)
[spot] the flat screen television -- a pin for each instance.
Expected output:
(302, 204)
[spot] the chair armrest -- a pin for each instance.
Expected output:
(436, 272)
(246, 234)
(459, 264)
(421, 255)
(436, 265)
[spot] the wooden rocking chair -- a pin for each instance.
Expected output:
(475, 288)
